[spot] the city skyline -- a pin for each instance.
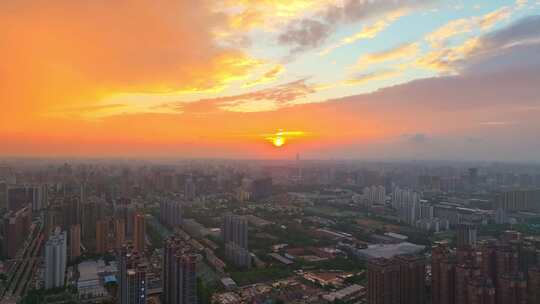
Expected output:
(418, 79)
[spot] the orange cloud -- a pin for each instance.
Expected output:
(71, 54)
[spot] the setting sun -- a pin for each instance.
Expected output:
(278, 141)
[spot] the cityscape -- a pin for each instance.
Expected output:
(290, 231)
(270, 152)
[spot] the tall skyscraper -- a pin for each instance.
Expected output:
(132, 277)
(75, 242)
(384, 282)
(179, 272)
(139, 227)
(55, 260)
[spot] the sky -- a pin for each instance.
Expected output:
(351, 79)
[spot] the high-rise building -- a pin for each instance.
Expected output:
(55, 260)
(519, 200)
(110, 234)
(3, 195)
(72, 211)
(384, 282)
(190, 190)
(466, 235)
(16, 227)
(239, 256)
(19, 196)
(170, 213)
(235, 237)
(132, 277)
(442, 274)
(261, 188)
(413, 278)
(91, 214)
(512, 289)
(75, 242)
(179, 272)
(235, 230)
(533, 285)
(481, 291)
(139, 239)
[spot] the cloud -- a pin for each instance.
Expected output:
(368, 31)
(472, 55)
(497, 123)
(440, 37)
(364, 78)
(77, 53)
(311, 32)
(402, 51)
(305, 34)
(521, 3)
(267, 77)
(264, 100)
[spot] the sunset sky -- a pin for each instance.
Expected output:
(398, 79)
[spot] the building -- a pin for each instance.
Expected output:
(190, 189)
(179, 272)
(466, 235)
(92, 212)
(512, 289)
(235, 230)
(239, 256)
(74, 242)
(139, 240)
(533, 285)
(261, 188)
(71, 211)
(170, 213)
(384, 282)
(16, 227)
(481, 291)
(519, 200)
(132, 277)
(55, 260)
(110, 234)
(235, 237)
(413, 277)
(19, 196)
(442, 274)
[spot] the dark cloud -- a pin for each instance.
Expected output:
(506, 48)
(309, 33)
(305, 34)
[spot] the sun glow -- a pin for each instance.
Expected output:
(278, 141)
(280, 138)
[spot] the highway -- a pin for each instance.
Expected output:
(24, 265)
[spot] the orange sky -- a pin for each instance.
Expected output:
(187, 78)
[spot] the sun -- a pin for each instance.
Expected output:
(278, 141)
